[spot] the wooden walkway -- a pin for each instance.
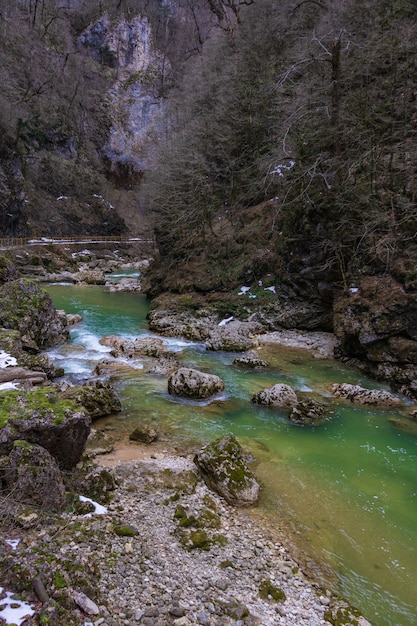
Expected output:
(7, 243)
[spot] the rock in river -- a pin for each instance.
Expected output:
(359, 395)
(190, 383)
(278, 395)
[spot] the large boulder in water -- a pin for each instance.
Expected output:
(233, 337)
(359, 395)
(32, 476)
(225, 470)
(279, 395)
(190, 383)
(29, 310)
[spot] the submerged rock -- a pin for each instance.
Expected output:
(144, 434)
(359, 395)
(279, 395)
(190, 383)
(225, 470)
(250, 362)
(308, 412)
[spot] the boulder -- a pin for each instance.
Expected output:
(90, 277)
(308, 412)
(279, 395)
(182, 324)
(190, 383)
(97, 398)
(376, 323)
(70, 318)
(129, 348)
(125, 285)
(359, 395)
(233, 337)
(250, 362)
(32, 476)
(99, 442)
(144, 434)
(63, 434)
(29, 310)
(225, 470)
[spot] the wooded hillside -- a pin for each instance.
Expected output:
(290, 149)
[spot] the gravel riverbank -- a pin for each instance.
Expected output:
(168, 552)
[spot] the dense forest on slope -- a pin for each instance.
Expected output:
(290, 149)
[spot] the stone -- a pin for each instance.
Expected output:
(250, 362)
(33, 477)
(29, 310)
(308, 412)
(97, 398)
(86, 604)
(225, 470)
(235, 336)
(359, 395)
(190, 383)
(144, 434)
(279, 395)
(63, 437)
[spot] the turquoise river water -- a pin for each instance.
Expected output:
(347, 488)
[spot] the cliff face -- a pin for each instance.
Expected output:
(135, 98)
(81, 102)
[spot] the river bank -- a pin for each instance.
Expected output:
(136, 560)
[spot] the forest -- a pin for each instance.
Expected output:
(284, 143)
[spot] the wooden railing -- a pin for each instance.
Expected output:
(15, 242)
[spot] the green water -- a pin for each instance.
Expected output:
(348, 488)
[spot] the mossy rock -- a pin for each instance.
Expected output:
(125, 530)
(268, 591)
(224, 468)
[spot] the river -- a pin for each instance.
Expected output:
(347, 488)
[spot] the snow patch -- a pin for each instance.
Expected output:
(98, 508)
(14, 611)
(281, 168)
(225, 321)
(6, 360)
